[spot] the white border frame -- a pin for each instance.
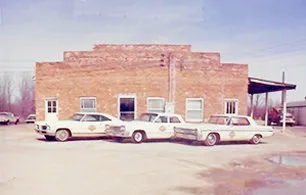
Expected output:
(194, 120)
(155, 98)
(88, 98)
(234, 100)
(126, 96)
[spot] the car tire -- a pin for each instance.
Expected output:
(17, 121)
(138, 137)
(255, 139)
(7, 122)
(118, 139)
(62, 135)
(49, 138)
(211, 139)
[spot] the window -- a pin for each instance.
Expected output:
(218, 120)
(52, 106)
(155, 104)
(174, 119)
(127, 107)
(162, 119)
(194, 109)
(239, 121)
(95, 118)
(231, 106)
(88, 104)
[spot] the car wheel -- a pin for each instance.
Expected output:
(211, 139)
(7, 122)
(49, 138)
(62, 135)
(138, 137)
(118, 139)
(256, 139)
(17, 122)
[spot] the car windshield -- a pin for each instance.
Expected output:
(148, 117)
(220, 120)
(77, 117)
(31, 117)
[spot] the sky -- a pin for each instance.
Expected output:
(268, 35)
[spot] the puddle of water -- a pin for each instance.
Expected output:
(289, 160)
(294, 187)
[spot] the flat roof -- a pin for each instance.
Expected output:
(297, 104)
(257, 86)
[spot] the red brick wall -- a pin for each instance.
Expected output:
(110, 70)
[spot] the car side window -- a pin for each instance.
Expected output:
(91, 118)
(104, 118)
(162, 119)
(239, 121)
(174, 119)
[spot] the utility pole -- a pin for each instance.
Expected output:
(170, 105)
(284, 104)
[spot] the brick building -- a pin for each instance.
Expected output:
(126, 80)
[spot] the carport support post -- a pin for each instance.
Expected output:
(252, 107)
(284, 109)
(266, 115)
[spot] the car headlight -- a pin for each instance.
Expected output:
(122, 128)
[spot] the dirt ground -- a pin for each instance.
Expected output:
(31, 165)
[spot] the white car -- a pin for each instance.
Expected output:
(80, 124)
(8, 117)
(30, 119)
(224, 128)
(147, 126)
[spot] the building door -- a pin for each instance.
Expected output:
(51, 109)
(127, 108)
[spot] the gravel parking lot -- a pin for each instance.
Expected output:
(31, 165)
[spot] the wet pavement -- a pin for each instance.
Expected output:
(284, 187)
(290, 160)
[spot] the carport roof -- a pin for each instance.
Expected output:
(262, 86)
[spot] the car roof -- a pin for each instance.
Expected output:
(98, 113)
(230, 115)
(162, 114)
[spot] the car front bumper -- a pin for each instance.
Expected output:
(118, 133)
(45, 132)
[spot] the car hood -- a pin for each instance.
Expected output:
(198, 126)
(61, 122)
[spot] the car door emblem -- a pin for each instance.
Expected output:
(162, 128)
(232, 134)
(92, 127)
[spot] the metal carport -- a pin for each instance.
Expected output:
(258, 86)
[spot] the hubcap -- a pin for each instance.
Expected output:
(62, 135)
(138, 137)
(256, 139)
(211, 139)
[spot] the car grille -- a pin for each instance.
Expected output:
(44, 127)
(186, 131)
(116, 128)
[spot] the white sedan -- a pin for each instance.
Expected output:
(147, 126)
(80, 124)
(224, 128)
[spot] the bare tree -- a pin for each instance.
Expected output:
(26, 102)
(6, 83)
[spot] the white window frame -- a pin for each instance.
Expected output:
(126, 96)
(46, 104)
(90, 109)
(231, 100)
(202, 110)
(155, 98)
